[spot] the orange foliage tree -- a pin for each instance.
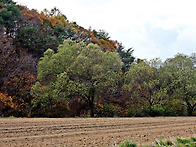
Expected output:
(104, 43)
(6, 104)
(18, 88)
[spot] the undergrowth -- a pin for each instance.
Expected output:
(190, 142)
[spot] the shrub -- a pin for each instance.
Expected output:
(183, 141)
(107, 110)
(161, 143)
(169, 143)
(190, 142)
(12, 117)
(128, 144)
(180, 143)
(193, 139)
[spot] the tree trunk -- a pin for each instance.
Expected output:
(91, 107)
(91, 101)
(190, 109)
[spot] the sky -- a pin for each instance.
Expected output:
(154, 28)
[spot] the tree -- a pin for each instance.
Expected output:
(77, 70)
(35, 40)
(29, 38)
(180, 77)
(6, 104)
(101, 38)
(101, 34)
(9, 17)
(7, 1)
(49, 67)
(126, 57)
(98, 72)
(143, 85)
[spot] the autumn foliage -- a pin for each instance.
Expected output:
(28, 36)
(24, 36)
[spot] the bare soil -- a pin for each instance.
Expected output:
(60, 132)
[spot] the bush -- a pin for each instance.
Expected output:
(128, 144)
(183, 141)
(193, 139)
(187, 142)
(107, 110)
(161, 143)
(12, 116)
(131, 111)
(190, 142)
(157, 110)
(169, 143)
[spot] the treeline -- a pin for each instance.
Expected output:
(82, 77)
(50, 67)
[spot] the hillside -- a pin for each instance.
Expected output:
(51, 67)
(25, 35)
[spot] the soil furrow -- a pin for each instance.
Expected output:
(92, 132)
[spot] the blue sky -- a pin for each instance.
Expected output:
(154, 28)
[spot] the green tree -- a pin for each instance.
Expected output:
(49, 67)
(98, 71)
(180, 79)
(29, 38)
(101, 34)
(7, 1)
(126, 57)
(34, 39)
(77, 70)
(143, 85)
(9, 17)
(62, 33)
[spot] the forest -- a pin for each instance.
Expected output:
(51, 67)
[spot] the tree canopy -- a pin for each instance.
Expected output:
(160, 88)
(180, 78)
(77, 70)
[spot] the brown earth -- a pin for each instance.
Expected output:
(76, 132)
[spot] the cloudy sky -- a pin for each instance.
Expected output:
(154, 28)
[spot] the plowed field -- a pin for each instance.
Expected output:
(75, 132)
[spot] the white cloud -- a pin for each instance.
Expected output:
(154, 28)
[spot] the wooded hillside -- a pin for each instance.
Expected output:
(51, 67)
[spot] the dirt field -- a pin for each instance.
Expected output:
(92, 131)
